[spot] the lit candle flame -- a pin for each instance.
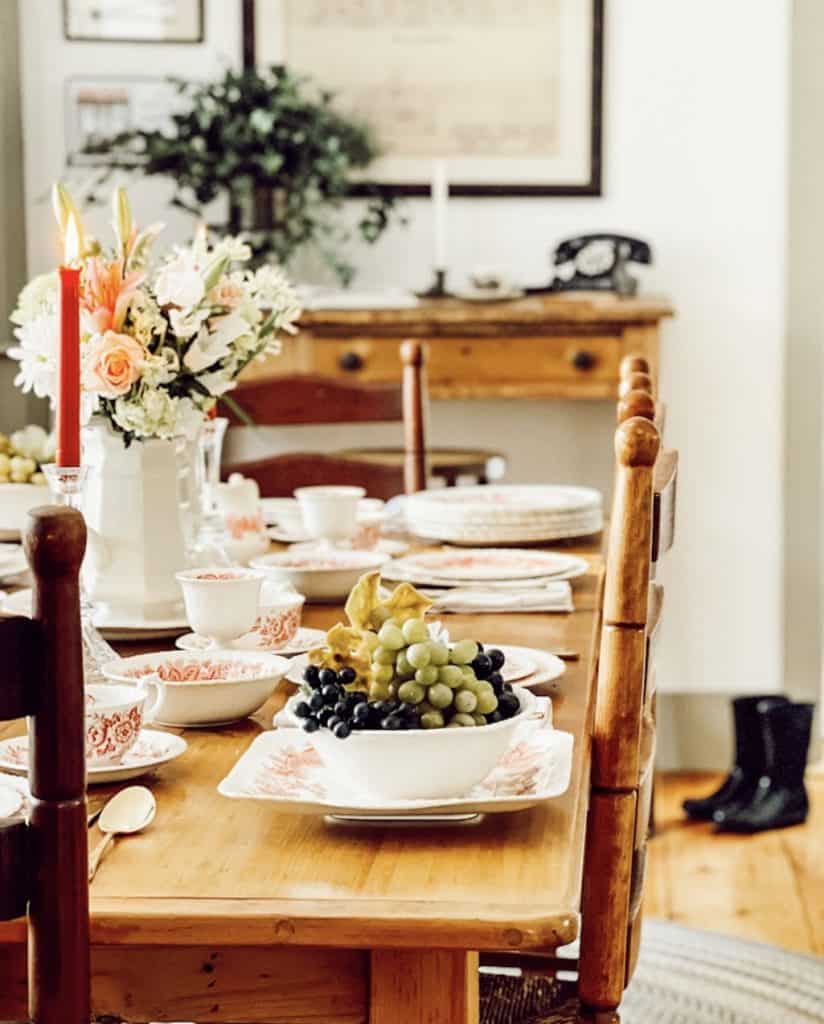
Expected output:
(71, 241)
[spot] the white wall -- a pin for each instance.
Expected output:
(695, 160)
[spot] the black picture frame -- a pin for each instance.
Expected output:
(201, 14)
(592, 187)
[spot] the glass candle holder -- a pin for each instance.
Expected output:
(67, 484)
(211, 544)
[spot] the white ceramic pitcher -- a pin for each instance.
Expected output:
(136, 544)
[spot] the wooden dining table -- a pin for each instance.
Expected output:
(232, 911)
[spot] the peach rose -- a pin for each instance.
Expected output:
(112, 363)
(226, 293)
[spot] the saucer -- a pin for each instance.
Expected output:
(12, 561)
(14, 795)
(281, 767)
(304, 640)
(151, 750)
(112, 626)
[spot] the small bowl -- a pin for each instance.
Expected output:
(221, 603)
(323, 576)
(201, 689)
(330, 512)
(422, 764)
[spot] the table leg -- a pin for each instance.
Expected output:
(419, 986)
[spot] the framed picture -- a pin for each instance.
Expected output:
(124, 21)
(507, 94)
(98, 107)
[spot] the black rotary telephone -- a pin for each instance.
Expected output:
(598, 262)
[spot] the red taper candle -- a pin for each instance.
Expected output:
(68, 369)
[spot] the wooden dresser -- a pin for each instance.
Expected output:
(542, 346)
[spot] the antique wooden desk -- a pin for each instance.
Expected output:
(542, 346)
(225, 911)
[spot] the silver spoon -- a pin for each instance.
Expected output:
(129, 811)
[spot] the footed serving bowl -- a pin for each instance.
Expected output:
(420, 764)
(192, 689)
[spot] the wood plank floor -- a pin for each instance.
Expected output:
(767, 887)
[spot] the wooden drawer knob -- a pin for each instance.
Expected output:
(583, 360)
(350, 362)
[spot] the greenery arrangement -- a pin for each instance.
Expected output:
(273, 144)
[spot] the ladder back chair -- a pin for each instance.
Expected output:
(623, 750)
(44, 862)
(310, 399)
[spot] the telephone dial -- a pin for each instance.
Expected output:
(598, 262)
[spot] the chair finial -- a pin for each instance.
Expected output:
(637, 442)
(55, 541)
(634, 362)
(412, 353)
(636, 403)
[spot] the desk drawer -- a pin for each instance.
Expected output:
(482, 367)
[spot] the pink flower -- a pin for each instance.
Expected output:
(106, 294)
(111, 364)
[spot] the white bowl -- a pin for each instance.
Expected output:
(324, 576)
(194, 689)
(15, 502)
(419, 764)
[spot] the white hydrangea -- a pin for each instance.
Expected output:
(148, 324)
(234, 247)
(151, 413)
(272, 290)
(39, 296)
(37, 355)
(161, 368)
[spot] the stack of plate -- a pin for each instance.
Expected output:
(505, 514)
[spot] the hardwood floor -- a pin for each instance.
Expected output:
(767, 887)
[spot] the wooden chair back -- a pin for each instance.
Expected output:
(312, 399)
(623, 740)
(44, 863)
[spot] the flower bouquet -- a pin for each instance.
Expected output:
(161, 340)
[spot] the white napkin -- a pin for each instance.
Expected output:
(554, 597)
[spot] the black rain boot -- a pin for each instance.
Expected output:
(749, 765)
(780, 798)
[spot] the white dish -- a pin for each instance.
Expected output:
(14, 796)
(153, 748)
(545, 666)
(12, 560)
(325, 576)
(16, 500)
(201, 689)
(386, 546)
(112, 625)
(434, 585)
(485, 565)
(282, 767)
(472, 294)
(304, 640)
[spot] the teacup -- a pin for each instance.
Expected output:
(221, 603)
(114, 717)
(278, 618)
(330, 512)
